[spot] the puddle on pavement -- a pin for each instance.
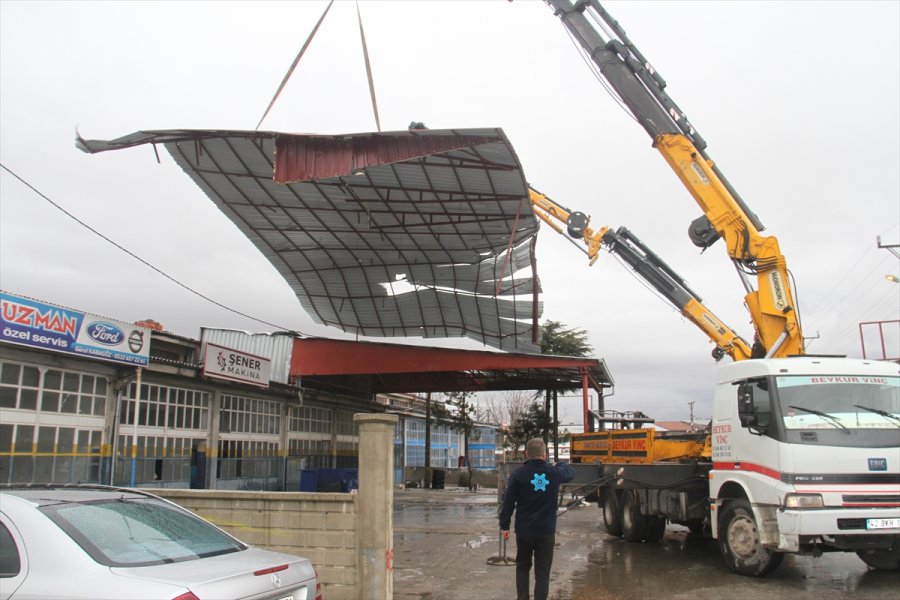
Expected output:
(478, 542)
(683, 567)
(417, 515)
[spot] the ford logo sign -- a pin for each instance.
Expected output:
(105, 333)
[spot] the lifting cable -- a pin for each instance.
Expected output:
(302, 51)
(294, 64)
(362, 37)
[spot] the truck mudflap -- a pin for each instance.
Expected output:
(767, 524)
(840, 529)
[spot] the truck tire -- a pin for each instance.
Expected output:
(612, 517)
(884, 559)
(740, 543)
(634, 524)
(656, 528)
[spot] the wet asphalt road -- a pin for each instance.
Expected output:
(444, 538)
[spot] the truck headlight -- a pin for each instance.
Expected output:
(803, 501)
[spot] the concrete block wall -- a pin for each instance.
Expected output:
(319, 526)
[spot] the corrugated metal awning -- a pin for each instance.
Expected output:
(388, 368)
(419, 233)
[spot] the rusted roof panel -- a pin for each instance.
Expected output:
(420, 233)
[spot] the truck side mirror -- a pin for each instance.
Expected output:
(747, 410)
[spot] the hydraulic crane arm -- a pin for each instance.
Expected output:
(642, 90)
(648, 265)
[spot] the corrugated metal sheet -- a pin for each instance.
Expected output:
(415, 233)
(277, 347)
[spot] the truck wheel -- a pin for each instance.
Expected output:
(634, 524)
(656, 528)
(882, 559)
(740, 542)
(611, 516)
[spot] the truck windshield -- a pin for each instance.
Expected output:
(839, 402)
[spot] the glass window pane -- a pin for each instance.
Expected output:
(28, 399)
(6, 433)
(24, 438)
(31, 376)
(7, 397)
(50, 402)
(52, 379)
(46, 438)
(10, 563)
(10, 373)
(83, 442)
(66, 442)
(71, 382)
(69, 403)
(100, 388)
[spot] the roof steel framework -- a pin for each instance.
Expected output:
(419, 233)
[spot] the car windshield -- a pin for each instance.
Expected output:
(839, 402)
(131, 532)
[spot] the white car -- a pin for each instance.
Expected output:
(97, 542)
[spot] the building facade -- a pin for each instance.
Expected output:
(174, 422)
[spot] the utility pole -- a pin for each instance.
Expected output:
(691, 404)
(428, 440)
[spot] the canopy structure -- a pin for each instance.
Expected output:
(381, 368)
(419, 233)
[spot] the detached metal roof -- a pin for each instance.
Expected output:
(419, 233)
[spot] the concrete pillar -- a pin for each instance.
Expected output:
(374, 505)
(212, 449)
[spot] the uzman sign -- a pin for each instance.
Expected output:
(226, 363)
(31, 323)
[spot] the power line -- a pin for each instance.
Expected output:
(138, 258)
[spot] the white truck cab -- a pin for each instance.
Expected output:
(806, 458)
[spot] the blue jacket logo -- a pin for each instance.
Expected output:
(105, 333)
(540, 482)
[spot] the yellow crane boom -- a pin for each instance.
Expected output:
(725, 215)
(647, 265)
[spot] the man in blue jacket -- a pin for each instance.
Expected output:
(532, 491)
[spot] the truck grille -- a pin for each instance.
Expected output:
(870, 499)
(847, 524)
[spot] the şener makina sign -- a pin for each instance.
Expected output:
(36, 324)
(234, 365)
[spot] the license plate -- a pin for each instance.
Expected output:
(882, 523)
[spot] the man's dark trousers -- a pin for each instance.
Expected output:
(541, 547)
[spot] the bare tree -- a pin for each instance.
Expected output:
(506, 409)
(502, 408)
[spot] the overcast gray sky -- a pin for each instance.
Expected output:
(799, 102)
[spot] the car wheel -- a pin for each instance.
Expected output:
(611, 516)
(740, 542)
(882, 559)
